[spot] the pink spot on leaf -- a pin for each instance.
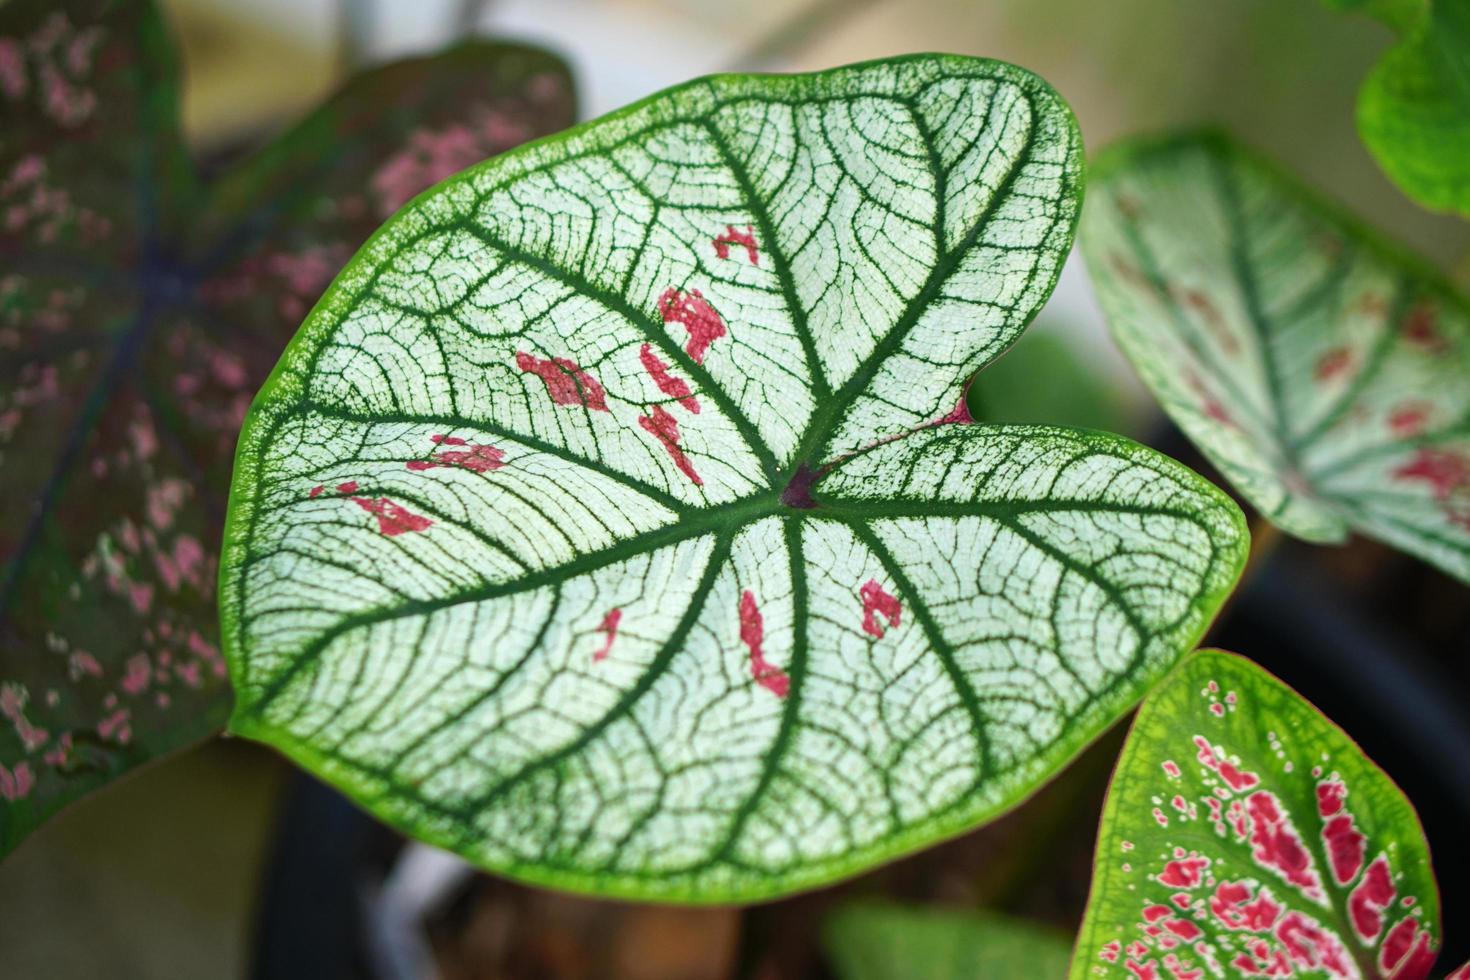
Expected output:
(1367, 901)
(745, 239)
(1448, 476)
(1185, 872)
(667, 383)
(138, 673)
(661, 426)
(697, 316)
(1344, 842)
(1421, 329)
(393, 519)
(475, 458)
(16, 784)
(752, 634)
(959, 415)
(1409, 418)
(609, 629)
(1406, 953)
(566, 383)
(878, 604)
(1334, 364)
(116, 726)
(1275, 844)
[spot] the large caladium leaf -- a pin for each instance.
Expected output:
(612, 520)
(890, 942)
(1246, 835)
(138, 311)
(1327, 375)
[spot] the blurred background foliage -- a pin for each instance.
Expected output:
(159, 876)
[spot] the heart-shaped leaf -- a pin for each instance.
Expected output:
(1324, 373)
(138, 310)
(611, 520)
(1246, 833)
(890, 942)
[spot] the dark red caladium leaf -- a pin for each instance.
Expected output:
(139, 311)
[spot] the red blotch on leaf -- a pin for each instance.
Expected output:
(1448, 476)
(393, 519)
(1406, 953)
(1409, 419)
(1184, 872)
(1344, 842)
(1310, 945)
(745, 239)
(697, 316)
(752, 634)
(566, 383)
(661, 426)
(1421, 329)
(609, 629)
(878, 603)
(1233, 906)
(1367, 901)
(667, 383)
(1334, 364)
(475, 458)
(1275, 844)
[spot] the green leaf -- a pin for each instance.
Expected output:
(1042, 380)
(891, 942)
(138, 310)
(1245, 831)
(600, 523)
(1414, 110)
(1327, 375)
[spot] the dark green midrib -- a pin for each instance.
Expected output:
(639, 319)
(724, 521)
(453, 420)
(1222, 172)
(830, 414)
(1165, 295)
(938, 643)
(671, 646)
(1377, 357)
(771, 243)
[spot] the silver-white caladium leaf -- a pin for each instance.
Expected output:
(611, 521)
(1326, 374)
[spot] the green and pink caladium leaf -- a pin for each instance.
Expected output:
(614, 522)
(139, 310)
(1246, 835)
(1326, 374)
(869, 941)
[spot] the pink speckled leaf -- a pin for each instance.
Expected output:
(138, 312)
(1324, 372)
(1246, 835)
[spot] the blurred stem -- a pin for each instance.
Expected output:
(471, 14)
(354, 33)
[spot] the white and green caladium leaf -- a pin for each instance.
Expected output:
(1325, 374)
(891, 942)
(600, 523)
(1246, 835)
